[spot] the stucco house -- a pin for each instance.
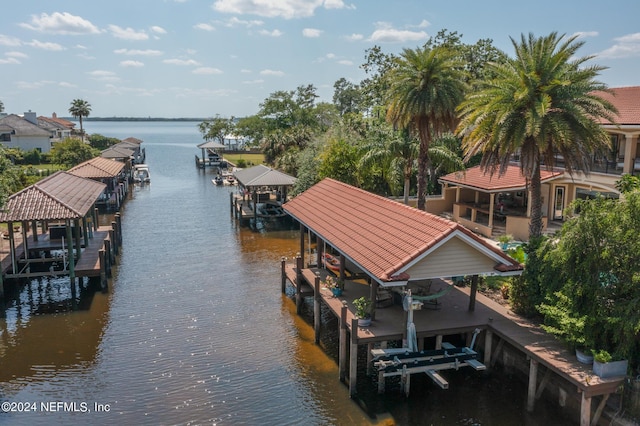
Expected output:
(499, 204)
(24, 133)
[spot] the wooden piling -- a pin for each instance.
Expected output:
(283, 274)
(353, 359)
(342, 349)
(299, 299)
(533, 378)
(103, 270)
(316, 308)
(488, 342)
(114, 243)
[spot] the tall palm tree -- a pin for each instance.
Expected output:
(80, 108)
(540, 103)
(425, 87)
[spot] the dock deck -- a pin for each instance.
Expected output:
(453, 317)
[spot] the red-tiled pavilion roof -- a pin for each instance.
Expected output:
(380, 235)
(59, 196)
(627, 101)
(98, 168)
(511, 180)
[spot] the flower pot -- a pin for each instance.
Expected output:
(337, 292)
(584, 357)
(610, 369)
(364, 322)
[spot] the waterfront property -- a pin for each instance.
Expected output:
(384, 245)
(52, 230)
(110, 172)
(211, 156)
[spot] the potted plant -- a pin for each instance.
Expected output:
(504, 241)
(363, 310)
(604, 366)
(333, 285)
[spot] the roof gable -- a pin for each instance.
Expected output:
(261, 175)
(59, 196)
(379, 235)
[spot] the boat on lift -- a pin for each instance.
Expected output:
(141, 173)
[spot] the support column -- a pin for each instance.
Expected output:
(103, 270)
(302, 242)
(488, 342)
(299, 284)
(316, 308)
(438, 341)
(283, 275)
(472, 294)
(533, 378)
(585, 410)
(353, 359)
(72, 263)
(342, 349)
(629, 153)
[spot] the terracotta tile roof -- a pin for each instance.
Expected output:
(627, 101)
(132, 140)
(511, 180)
(60, 122)
(380, 235)
(117, 152)
(261, 175)
(59, 196)
(97, 168)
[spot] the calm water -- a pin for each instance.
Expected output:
(194, 329)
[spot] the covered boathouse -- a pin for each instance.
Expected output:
(384, 246)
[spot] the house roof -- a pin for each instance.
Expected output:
(261, 175)
(627, 101)
(132, 140)
(59, 122)
(21, 127)
(97, 168)
(59, 196)
(511, 180)
(380, 235)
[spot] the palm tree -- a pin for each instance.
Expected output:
(540, 103)
(80, 108)
(426, 86)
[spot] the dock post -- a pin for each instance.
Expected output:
(438, 341)
(585, 410)
(533, 378)
(95, 219)
(488, 342)
(103, 270)
(119, 227)
(406, 380)
(114, 227)
(353, 359)
(107, 249)
(231, 203)
(472, 293)
(316, 308)
(298, 285)
(283, 274)
(342, 349)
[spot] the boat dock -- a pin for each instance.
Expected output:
(497, 325)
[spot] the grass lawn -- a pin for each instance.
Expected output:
(250, 159)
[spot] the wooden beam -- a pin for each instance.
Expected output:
(316, 309)
(598, 413)
(585, 410)
(472, 294)
(488, 342)
(353, 359)
(543, 383)
(533, 378)
(342, 346)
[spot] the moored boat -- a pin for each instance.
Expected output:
(141, 173)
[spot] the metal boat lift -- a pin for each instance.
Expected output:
(401, 362)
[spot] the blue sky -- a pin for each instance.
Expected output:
(192, 58)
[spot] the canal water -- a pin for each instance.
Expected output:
(194, 329)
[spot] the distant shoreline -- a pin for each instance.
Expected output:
(86, 119)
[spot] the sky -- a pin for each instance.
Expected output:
(199, 58)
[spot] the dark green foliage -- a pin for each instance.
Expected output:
(32, 157)
(71, 152)
(101, 142)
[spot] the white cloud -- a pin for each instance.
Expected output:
(204, 27)
(311, 32)
(181, 62)
(67, 84)
(272, 72)
(585, 34)
(355, 37)
(236, 22)
(274, 33)
(29, 85)
(127, 33)
(131, 64)
(345, 62)
(626, 46)
(54, 47)
(423, 24)
(9, 41)
(287, 9)
(17, 55)
(258, 81)
(158, 30)
(102, 75)
(138, 52)
(386, 33)
(61, 23)
(9, 61)
(245, 71)
(206, 71)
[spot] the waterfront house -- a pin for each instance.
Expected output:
(499, 204)
(24, 133)
(110, 172)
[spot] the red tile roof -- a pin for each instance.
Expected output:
(627, 101)
(511, 180)
(98, 168)
(380, 235)
(59, 196)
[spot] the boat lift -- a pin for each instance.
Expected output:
(402, 362)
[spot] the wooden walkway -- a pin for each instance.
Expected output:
(453, 317)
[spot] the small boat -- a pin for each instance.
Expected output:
(141, 173)
(230, 180)
(217, 180)
(271, 209)
(331, 262)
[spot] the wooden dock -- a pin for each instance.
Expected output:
(497, 323)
